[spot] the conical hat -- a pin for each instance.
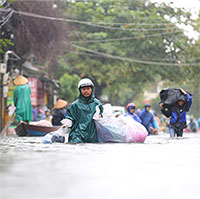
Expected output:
(20, 80)
(60, 104)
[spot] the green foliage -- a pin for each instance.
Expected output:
(159, 41)
(4, 43)
(69, 90)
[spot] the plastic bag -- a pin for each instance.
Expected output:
(109, 131)
(41, 123)
(121, 129)
(134, 131)
(55, 136)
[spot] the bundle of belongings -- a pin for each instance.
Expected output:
(121, 129)
(174, 104)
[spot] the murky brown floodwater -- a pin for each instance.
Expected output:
(159, 168)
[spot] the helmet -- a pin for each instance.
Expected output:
(85, 82)
(130, 105)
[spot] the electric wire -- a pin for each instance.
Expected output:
(126, 38)
(133, 60)
(7, 18)
(89, 23)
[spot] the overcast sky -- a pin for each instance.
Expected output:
(191, 5)
(182, 3)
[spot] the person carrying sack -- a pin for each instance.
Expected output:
(176, 110)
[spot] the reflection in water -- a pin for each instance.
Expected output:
(159, 168)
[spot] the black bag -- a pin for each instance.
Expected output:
(171, 96)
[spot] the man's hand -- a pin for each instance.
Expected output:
(99, 116)
(183, 91)
(161, 105)
(66, 122)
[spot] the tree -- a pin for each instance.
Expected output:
(37, 36)
(121, 53)
(69, 88)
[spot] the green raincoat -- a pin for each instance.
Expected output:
(81, 113)
(22, 102)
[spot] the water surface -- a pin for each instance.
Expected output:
(159, 168)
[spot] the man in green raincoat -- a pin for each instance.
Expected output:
(79, 115)
(22, 100)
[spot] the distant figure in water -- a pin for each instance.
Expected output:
(131, 112)
(22, 100)
(59, 112)
(148, 120)
(177, 113)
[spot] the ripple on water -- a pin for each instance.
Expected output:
(31, 169)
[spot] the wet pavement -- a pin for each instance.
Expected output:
(159, 168)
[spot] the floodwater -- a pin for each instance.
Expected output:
(160, 168)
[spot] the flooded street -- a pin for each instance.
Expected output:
(159, 168)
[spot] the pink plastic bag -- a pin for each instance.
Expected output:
(121, 129)
(134, 131)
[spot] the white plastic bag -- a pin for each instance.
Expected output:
(121, 129)
(56, 136)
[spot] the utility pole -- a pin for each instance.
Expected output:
(1, 101)
(3, 70)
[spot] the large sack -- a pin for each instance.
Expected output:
(121, 129)
(171, 96)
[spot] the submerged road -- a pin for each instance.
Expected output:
(160, 168)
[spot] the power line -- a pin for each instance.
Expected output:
(126, 38)
(74, 1)
(133, 60)
(136, 24)
(5, 9)
(6, 19)
(95, 55)
(89, 23)
(156, 59)
(86, 54)
(2, 2)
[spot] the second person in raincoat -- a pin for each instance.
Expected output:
(79, 116)
(148, 120)
(131, 112)
(22, 99)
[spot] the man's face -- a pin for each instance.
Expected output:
(180, 102)
(148, 108)
(132, 110)
(86, 91)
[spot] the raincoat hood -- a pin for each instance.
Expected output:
(182, 97)
(130, 106)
